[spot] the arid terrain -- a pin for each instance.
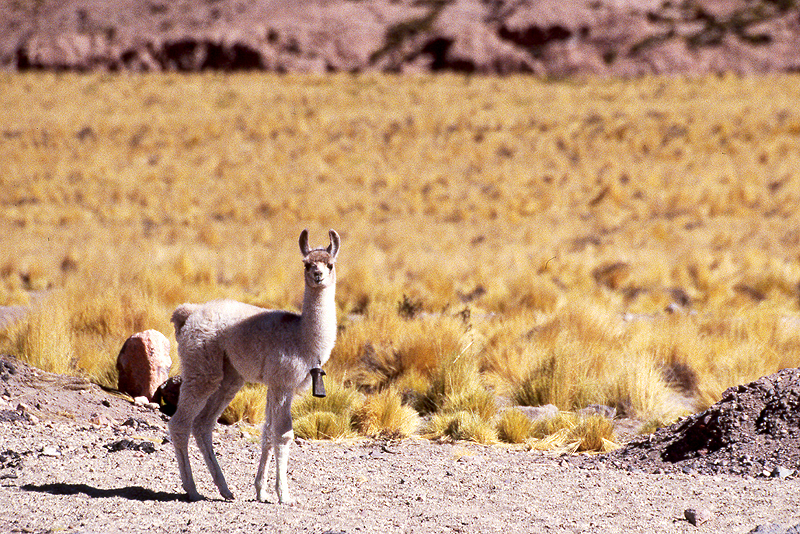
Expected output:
(76, 458)
(613, 221)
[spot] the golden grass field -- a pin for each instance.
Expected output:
(503, 239)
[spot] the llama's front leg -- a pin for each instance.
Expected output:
(266, 456)
(282, 439)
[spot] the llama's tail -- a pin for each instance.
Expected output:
(180, 315)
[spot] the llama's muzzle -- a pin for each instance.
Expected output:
(317, 385)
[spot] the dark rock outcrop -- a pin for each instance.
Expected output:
(753, 430)
(547, 37)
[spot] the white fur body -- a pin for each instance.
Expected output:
(266, 346)
(224, 343)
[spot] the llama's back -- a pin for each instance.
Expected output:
(260, 343)
(266, 347)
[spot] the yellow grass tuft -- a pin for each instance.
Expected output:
(593, 433)
(323, 426)
(384, 415)
(460, 426)
(513, 426)
(44, 338)
(248, 405)
(330, 417)
(378, 349)
(457, 386)
(570, 432)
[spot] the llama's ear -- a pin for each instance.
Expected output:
(304, 243)
(333, 248)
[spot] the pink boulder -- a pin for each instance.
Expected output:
(143, 364)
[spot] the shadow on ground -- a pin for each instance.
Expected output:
(134, 493)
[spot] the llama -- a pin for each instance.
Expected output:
(224, 343)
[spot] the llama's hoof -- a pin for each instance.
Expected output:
(288, 500)
(194, 497)
(227, 495)
(261, 496)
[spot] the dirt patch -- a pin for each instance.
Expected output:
(78, 458)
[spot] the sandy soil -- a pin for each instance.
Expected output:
(78, 459)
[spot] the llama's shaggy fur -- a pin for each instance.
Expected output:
(224, 343)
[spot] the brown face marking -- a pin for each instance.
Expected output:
(318, 256)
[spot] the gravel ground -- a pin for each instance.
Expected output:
(78, 459)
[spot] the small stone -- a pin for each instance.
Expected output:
(99, 419)
(50, 451)
(697, 516)
(772, 528)
(167, 395)
(141, 401)
(535, 413)
(599, 409)
(782, 472)
(130, 445)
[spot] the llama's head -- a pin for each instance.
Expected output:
(320, 263)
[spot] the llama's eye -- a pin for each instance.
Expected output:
(330, 266)
(307, 266)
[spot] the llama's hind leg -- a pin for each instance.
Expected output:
(204, 422)
(192, 398)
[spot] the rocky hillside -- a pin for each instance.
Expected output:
(546, 37)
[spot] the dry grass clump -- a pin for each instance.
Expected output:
(384, 415)
(540, 229)
(461, 406)
(44, 339)
(380, 347)
(249, 406)
(572, 432)
(330, 417)
(456, 386)
(593, 433)
(513, 426)
(565, 431)
(460, 426)
(323, 426)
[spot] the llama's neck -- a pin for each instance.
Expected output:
(318, 324)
